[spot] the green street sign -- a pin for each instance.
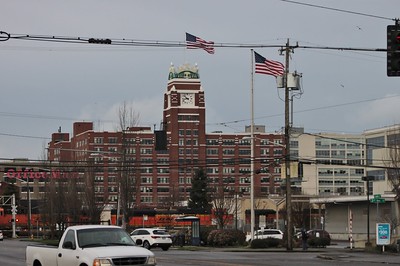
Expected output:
(377, 200)
(377, 196)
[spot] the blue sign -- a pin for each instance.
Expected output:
(382, 234)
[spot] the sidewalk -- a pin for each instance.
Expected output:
(336, 252)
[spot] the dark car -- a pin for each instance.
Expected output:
(316, 234)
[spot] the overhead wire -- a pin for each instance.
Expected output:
(338, 10)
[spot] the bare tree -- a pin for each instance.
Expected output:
(223, 204)
(128, 117)
(90, 206)
(301, 212)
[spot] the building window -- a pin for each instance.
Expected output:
(245, 142)
(162, 189)
(146, 180)
(228, 142)
(146, 199)
(112, 149)
(228, 151)
(244, 180)
(112, 140)
(146, 189)
(98, 179)
(323, 153)
(146, 141)
(146, 151)
(162, 180)
(212, 151)
(212, 170)
(146, 170)
(244, 152)
(228, 170)
(162, 170)
(212, 142)
(98, 140)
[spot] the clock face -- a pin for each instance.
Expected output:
(187, 99)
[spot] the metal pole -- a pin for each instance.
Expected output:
(289, 229)
(368, 239)
(14, 210)
(118, 203)
(252, 214)
(29, 207)
(236, 212)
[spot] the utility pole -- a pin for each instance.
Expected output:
(289, 226)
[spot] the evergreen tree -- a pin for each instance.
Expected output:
(199, 200)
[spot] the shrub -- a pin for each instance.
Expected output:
(221, 238)
(265, 243)
(204, 233)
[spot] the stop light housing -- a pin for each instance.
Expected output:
(393, 50)
(99, 41)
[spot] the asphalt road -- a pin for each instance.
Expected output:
(12, 253)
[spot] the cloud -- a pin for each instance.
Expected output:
(380, 113)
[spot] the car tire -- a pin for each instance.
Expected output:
(165, 248)
(146, 245)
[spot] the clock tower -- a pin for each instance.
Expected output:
(184, 122)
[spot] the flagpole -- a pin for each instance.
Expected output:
(252, 215)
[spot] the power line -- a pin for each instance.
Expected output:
(338, 10)
(305, 110)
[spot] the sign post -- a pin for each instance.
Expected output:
(377, 199)
(382, 235)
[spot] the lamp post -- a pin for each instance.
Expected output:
(28, 198)
(252, 214)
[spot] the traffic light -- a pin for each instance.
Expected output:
(393, 50)
(99, 41)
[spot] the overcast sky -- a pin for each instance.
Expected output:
(45, 85)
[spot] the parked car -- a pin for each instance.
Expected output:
(1, 235)
(91, 245)
(266, 233)
(152, 237)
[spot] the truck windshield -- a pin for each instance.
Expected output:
(95, 237)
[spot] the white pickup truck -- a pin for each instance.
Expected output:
(91, 245)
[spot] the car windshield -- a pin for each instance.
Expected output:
(95, 237)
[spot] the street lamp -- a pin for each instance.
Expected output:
(28, 197)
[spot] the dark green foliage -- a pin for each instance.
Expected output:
(199, 200)
(204, 232)
(223, 238)
(265, 243)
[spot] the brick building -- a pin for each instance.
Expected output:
(162, 177)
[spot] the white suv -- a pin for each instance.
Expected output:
(266, 233)
(152, 237)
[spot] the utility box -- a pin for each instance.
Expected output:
(293, 81)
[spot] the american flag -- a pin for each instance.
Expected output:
(193, 42)
(268, 67)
